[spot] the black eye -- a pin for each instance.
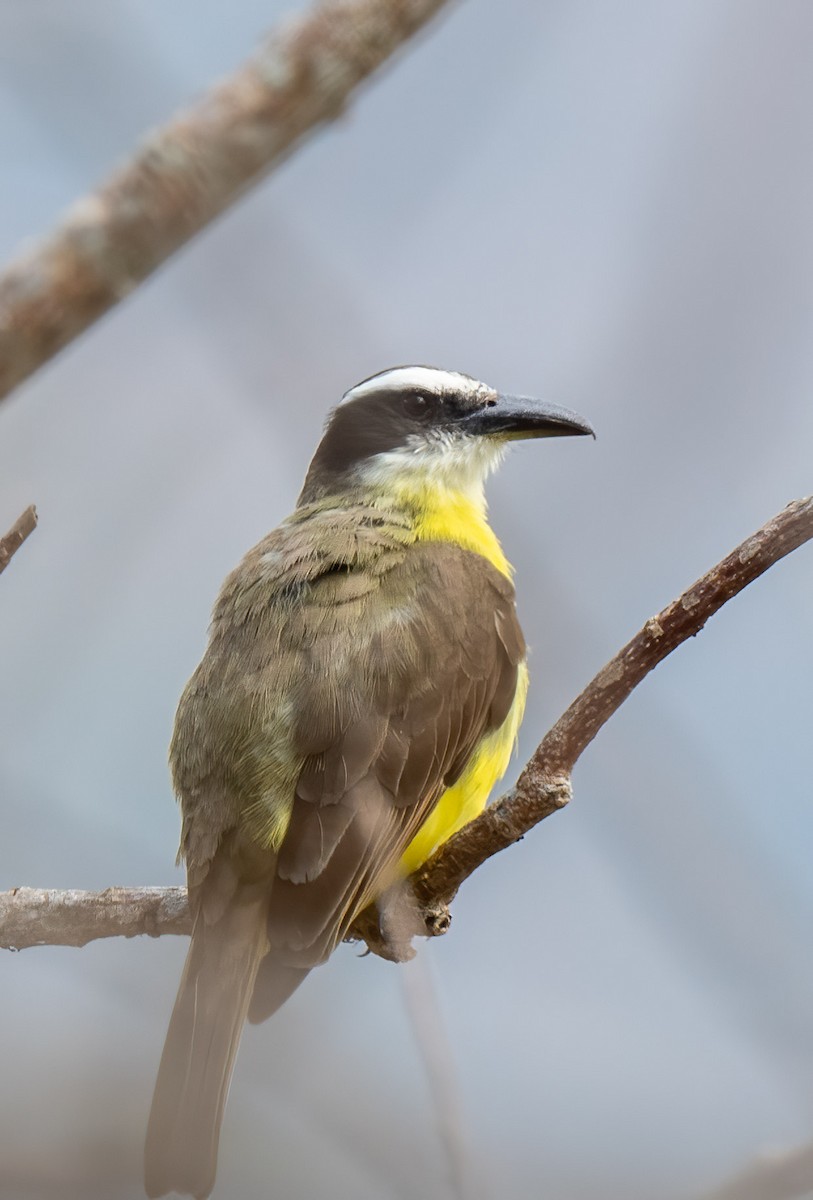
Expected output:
(416, 404)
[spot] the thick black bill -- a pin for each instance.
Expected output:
(522, 417)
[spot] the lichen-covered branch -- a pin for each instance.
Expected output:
(10, 542)
(192, 168)
(29, 917)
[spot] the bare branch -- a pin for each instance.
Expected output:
(188, 171)
(10, 543)
(42, 917)
(31, 917)
(544, 785)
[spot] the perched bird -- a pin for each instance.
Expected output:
(359, 697)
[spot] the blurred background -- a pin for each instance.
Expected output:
(605, 204)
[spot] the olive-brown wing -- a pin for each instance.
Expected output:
(386, 732)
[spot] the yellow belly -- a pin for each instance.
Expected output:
(466, 798)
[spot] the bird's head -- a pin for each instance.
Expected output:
(412, 427)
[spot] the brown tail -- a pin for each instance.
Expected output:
(200, 1049)
(275, 983)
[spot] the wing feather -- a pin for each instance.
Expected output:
(347, 683)
(416, 707)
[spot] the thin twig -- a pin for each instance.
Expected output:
(30, 917)
(188, 171)
(10, 543)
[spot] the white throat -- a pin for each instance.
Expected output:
(446, 462)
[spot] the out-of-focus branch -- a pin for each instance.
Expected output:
(188, 171)
(778, 1175)
(434, 1049)
(30, 917)
(10, 542)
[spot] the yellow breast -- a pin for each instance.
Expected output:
(444, 515)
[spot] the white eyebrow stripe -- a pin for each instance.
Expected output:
(397, 379)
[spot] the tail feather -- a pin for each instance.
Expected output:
(274, 984)
(201, 1046)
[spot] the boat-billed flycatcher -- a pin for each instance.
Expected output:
(359, 697)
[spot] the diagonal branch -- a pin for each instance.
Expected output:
(10, 543)
(31, 917)
(544, 785)
(188, 171)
